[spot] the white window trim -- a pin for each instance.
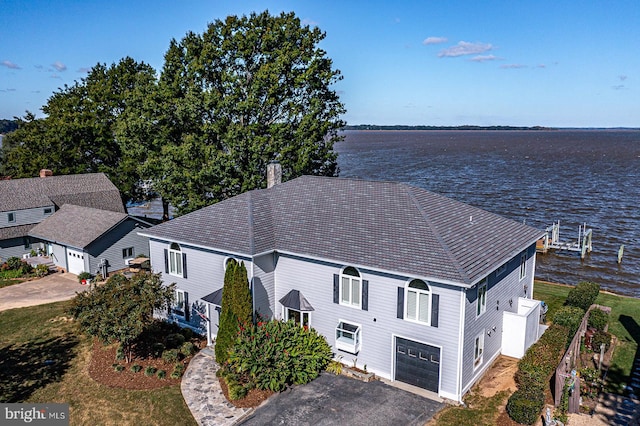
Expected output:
(175, 310)
(342, 345)
(481, 305)
(352, 279)
(416, 320)
(523, 266)
(126, 255)
(479, 358)
(285, 315)
(177, 256)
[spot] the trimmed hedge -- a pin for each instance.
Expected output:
(598, 319)
(570, 317)
(600, 337)
(583, 295)
(525, 408)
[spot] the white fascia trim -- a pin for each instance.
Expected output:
(169, 241)
(460, 345)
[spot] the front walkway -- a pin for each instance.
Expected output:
(203, 395)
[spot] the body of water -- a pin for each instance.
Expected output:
(536, 177)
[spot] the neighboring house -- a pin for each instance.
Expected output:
(26, 202)
(83, 239)
(416, 286)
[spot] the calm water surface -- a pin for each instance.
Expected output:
(536, 177)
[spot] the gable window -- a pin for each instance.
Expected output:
(175, 261)
(11, 217)
(418, 302)
(350, 287)
(127, 252)
(523, 266)
(348, 337)
(481, 301)
(478, 350)
(48, 210)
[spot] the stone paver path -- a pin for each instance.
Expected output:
(203, 395)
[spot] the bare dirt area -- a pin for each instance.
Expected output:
(500, 377)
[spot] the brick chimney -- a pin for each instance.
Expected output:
(45, 173)
(274, 173)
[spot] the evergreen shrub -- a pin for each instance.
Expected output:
(598, 319)
(583, 295)
(525, 407)
(570, 317)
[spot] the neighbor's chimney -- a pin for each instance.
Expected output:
(274, 173)
(45, 173)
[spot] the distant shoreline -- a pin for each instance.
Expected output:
(471, 127)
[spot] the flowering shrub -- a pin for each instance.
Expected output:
(274, 354)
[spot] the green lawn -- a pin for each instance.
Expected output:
(625, 314)
(45, 359)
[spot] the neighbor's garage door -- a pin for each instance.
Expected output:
(75, 261)
(417, 364)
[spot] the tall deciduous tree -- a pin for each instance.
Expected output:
(247, 91)
(80, 131)
(237, 308)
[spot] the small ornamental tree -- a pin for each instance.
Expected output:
(583, 295)
(122, 308)
(237, 308)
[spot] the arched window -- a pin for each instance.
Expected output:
(418, 301)
(350, 287)
(175, 259)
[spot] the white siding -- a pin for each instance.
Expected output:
(380, 322)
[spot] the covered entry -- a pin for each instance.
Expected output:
(417, 364)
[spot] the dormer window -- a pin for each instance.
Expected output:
(11, 217)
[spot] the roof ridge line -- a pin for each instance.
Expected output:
(445, 246)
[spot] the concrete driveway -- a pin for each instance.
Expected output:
(339, 400)
(52, 288)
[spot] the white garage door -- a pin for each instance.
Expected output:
(75, 261)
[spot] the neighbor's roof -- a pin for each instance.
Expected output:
(76, 226)
(381, 225)
(18, 231)
(89, 190)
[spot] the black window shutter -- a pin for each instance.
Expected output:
(365, 295)
(336, 288)
(184, 265)
(187, 307)
(435, 306)
(401, 302)
(166, 261)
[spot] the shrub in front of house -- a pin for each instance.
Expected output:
(598, 319)
(276, 354)
(583, 295)
(187, 349)
(41, 271)
(174, 340)
(170, 355)
(83, 276)
(150, 371)
(570, 317)
(525, 407)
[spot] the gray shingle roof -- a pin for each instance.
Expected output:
(15, 231)
(76, 226)
(382, 225)
(90, 190)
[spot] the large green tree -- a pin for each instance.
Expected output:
(88, 128)
(248, 90)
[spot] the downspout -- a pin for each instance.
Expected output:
(460, 345)
(533, 271)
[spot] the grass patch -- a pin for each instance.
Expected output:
(479, 411)
(623, 323)
(31, 336)
(6, 282)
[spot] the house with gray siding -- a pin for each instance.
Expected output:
(83, 239)
(415, 285)
(27, 202)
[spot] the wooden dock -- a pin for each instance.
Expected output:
(551, 240)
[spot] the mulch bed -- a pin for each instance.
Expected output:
(254, 397)
(102, 371)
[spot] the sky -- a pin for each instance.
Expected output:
(443, 63)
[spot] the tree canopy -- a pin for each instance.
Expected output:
(247, 91)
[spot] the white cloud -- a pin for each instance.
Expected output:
(465, 48)
(484, 58)
(622, 77)
(434, 40)
(513, 66)
(59, 66)
(618, 87)
(10, 65)
(309, 22)
(83, 70)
